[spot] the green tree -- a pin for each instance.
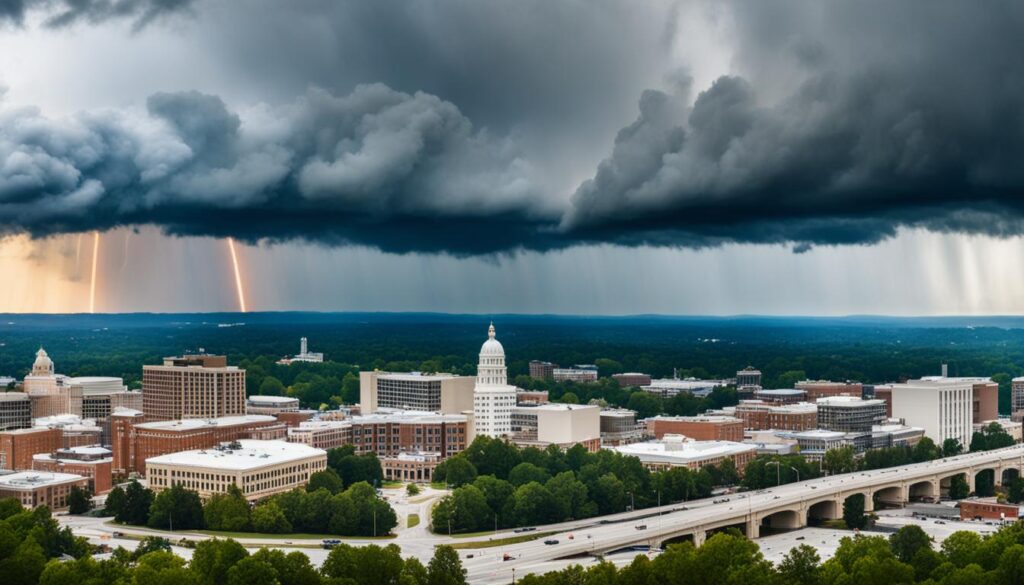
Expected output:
(609, 493)
(839, 460)
(79, 500)
(789, 378)
(134, 508)
(570, 398)
(465, 510)
(459, 471)
(445, 568)
(412, 489)
(350, 388)
(252, 571)
(228, 511)
(326, 479)
(270, 519)
(1015, 493)
(414, 573)
(644, 403)
(961, 547)
(801, 566)
(151, 544)
(213, 558)
(365, 565)
(525, 473)
(570, 494)
(958, 487)
(293, 568)
(534, 504)
(271, 386)
(176, 508)
(926, 450)
(952, 447)
(908, 541)
(853, 512)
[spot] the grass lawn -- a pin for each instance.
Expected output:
(414, 520)
(388, 485)
(501, 541)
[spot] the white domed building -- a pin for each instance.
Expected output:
(493, 398)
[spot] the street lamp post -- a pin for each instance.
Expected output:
(632, 502)
(778, 475)
(797, 473)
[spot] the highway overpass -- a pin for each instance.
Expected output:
(785, 507)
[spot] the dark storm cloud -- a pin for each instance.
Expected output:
(841, 124)
(918, 121)
(379, 167)
(62, 13)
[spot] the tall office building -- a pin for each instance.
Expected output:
(1017, 398)
(850, 414)
(15, 411)
(542, 370)
(493, 398)
(193, 386)
(943, 407)
(445, 393)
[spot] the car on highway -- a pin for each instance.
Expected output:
(551, 541)
(641, 527)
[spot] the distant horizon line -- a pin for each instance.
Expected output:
(518, 314)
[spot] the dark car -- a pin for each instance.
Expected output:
(551, 541)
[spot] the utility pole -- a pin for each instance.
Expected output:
(375, 521)
(778, 475)
(797, 473)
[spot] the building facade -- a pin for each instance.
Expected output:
(632, 379)
(15, 411)
(493, 398)
(445, 393)
(137, 439)
(816, 389)
(389, 434)
(700, 428)
(943, 407)
(562, 425)
(620, 427)
(34, 488)
(577, 374)
(761, 416)
(259, 468)
(678, 451)
(322, 434)
(542, 370)
(93, 463)
(749, 378)
(850, 414)
(192, 386)
(270, 405)
(17, 447)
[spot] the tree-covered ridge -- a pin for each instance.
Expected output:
(868, 350)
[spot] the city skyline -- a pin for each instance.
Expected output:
(673, 158)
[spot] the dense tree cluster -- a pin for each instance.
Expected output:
(353, 511)
(497, 484)
(908, 556)
(28, 538)
(220, 562)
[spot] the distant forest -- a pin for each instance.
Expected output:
(867, 349)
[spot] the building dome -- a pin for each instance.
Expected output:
(43, 365)
(492, 347)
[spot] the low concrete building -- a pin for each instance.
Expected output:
(780, 395)
(445, 393)
(850, 414)
(816, 389)
(35, 488)
(270, 405)
(620, 427)
(577, 374)
(678, 451)
(15, 411)
(669, 387)
(700, 428)
(322, 434)
(564, 425)
(759, 416)
(417, 466)
(259, 468)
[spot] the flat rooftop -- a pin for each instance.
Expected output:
(383, 416)
(251, 454)
(849, 401)
(675, 451)
(557, 407)
(12, 396)
(417, 376)
(263, 399)
(190, 424)
(700, 418)
(35, 479)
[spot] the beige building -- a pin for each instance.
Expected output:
(259, 468)
(272, 405)
(192, 386)
(322, 434)
(680, 451)
(943, 407)
(445, 393)
(564, 425)
(39, 488)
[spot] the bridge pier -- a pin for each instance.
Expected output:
(753, 529)
(699, 537)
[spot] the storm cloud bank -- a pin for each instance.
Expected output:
(841, 124)
(63, 13)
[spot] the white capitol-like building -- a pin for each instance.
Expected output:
(493, 398)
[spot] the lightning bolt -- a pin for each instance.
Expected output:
(95, 261)
(238, 275)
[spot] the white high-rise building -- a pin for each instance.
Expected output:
(493, 399)
(943, 407)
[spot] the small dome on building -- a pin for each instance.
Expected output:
(492, 347)
(43, 366)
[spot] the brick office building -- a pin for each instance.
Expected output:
(816, 389)
(94, 463)
(17, 447)
(759, 416)
(193, 386)
(134, 443)
(700, 428)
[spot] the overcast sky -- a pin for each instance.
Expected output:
(513, 156)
